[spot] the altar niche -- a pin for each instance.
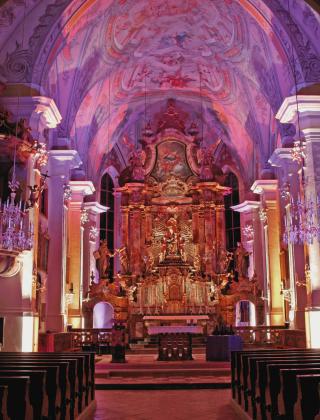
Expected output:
(173, 255)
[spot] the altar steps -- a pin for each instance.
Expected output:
(151, 379)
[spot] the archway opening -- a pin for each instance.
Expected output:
(102, 314)
(245, 314)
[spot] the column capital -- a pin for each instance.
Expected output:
(308, 107)
(41, 112)
(247, 206)
(282, 157)
(269, 189)
(80, 189)
(94, 208)
(63, 157)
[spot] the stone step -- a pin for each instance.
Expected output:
(163, 373)
(146, 379)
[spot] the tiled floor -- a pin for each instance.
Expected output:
(163, 405)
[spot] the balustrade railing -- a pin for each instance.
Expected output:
(261, 335)
(94, 337)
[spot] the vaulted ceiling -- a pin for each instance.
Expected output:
(110, 65)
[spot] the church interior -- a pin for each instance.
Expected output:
(159, 208)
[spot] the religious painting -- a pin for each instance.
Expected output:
(171, 160)
(43, 251)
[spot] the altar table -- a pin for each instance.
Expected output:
(175, 343)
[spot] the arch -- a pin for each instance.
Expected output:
(103, 312)
(245, 314)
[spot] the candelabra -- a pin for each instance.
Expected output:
(12, 224)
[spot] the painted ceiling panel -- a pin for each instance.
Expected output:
(228, 64)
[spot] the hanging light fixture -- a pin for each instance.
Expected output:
(12, 216)
(305, 209)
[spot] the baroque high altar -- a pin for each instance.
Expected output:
(173, 257)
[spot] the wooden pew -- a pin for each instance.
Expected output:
(85, 373)
(258, 379)
(63, 400)
(18, 403)
(3, 402)
(75, 374)
(289, 388)
(236, 365)
(243, 380)
(268, 384)
(307, 405)
(37, 396)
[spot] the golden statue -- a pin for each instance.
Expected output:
(102, 257)
(125, 257)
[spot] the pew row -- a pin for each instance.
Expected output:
(61, 386)
(276, 384)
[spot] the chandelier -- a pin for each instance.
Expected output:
(305, 211)
(12, 223)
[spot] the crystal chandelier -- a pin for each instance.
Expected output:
(304, 211)
(12, 224)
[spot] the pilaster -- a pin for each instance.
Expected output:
(291, 183)
(60, 162)
(268, 189)
(75, 245)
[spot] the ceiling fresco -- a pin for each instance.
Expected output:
(112, 65)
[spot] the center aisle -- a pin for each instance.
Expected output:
(196, 404)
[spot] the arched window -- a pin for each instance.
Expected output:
(233, 230)
(107, 219)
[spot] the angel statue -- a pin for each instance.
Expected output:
(136, 159)
(241, 260)
(125, 257)
(224, 258)
(205, 158)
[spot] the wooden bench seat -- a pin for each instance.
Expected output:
(3, 402)
(18, 402)
(307, 405)
(250, 378)
(258, 374)
(249, 361)
(37, 395)
(64, 405)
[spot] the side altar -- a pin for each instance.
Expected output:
(173, 256)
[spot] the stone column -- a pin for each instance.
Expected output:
(136, 239)
(270, 202)
(291, 182)
(309, 124)
(124, 225)
(208, 237)
(60, 163)
(75, 244)
(220, 224)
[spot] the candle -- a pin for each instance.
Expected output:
(311, 198)
(285, 221)
(24, 207)
(8, 202)
(317, 200)
(20, 204)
